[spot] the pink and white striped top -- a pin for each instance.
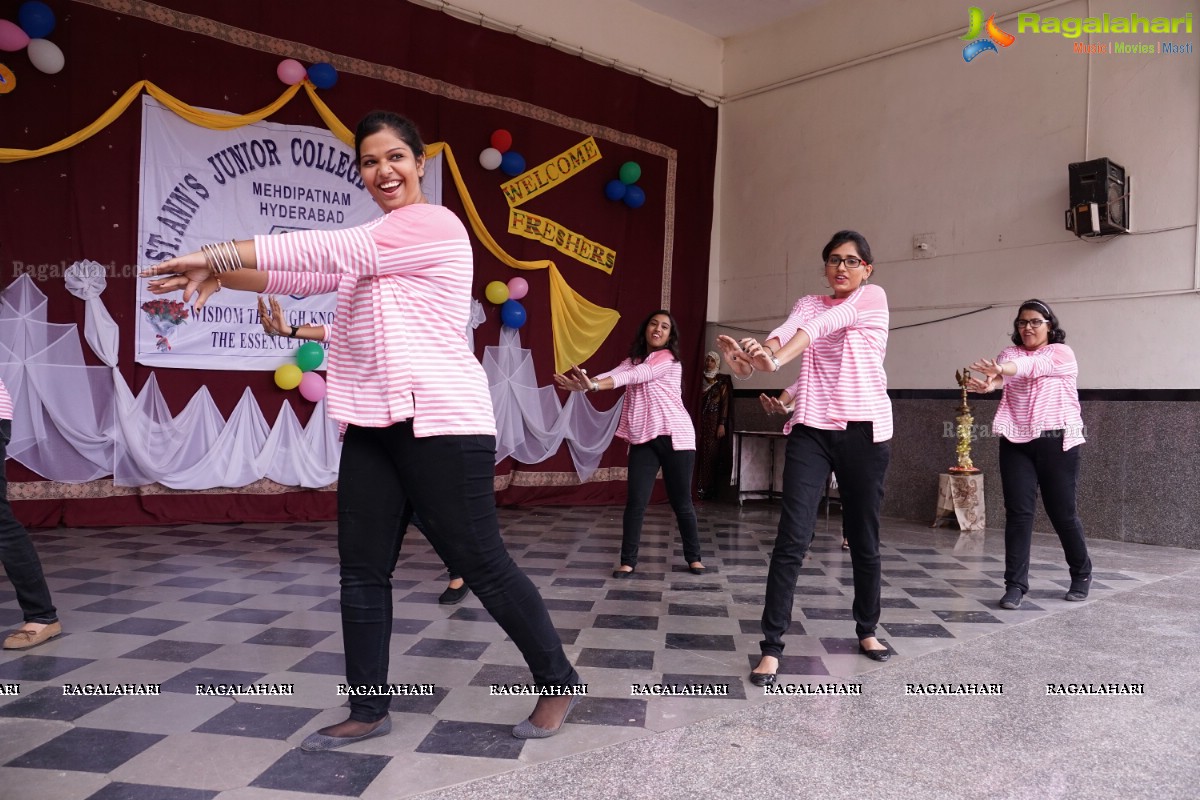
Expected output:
(1042, 396)
(404, 299)
(841, 373)
(653, 401)
(6, 405)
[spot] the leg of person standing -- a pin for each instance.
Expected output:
(807, 462)
(677, 466)
(1018, 477)
(642, 469)
(449, 481)
(861, 466)
(1058, 475)
(371, 525)
(23, 568)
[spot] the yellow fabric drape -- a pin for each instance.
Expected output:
(196, 116)
(578, 326)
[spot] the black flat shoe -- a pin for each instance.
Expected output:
(876, 655)
(622, 573)
(452, 597)
(1012, 598)
(318, 742)
(697, 570)
(1079, 589)
(762, 678)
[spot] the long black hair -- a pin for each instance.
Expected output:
(1057, 334)
(641, 348)
(376, 121)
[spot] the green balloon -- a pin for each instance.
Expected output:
(630, 172)
(309, 356)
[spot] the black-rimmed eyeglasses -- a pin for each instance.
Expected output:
(851, 262)
(1030, 323)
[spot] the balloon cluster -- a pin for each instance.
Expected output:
(322, 74)
(507, 295)
(309, 356)
(625, 187)
(501, 155)
(35, 21)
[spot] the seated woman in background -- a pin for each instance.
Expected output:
(714, 454)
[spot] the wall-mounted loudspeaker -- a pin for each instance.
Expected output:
(1099, 198)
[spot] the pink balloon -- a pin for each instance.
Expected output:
(291, 71)
(12, 38)
(312, 387)
(517, 288)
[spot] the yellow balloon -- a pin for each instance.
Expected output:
(496, 292)
(288, 376)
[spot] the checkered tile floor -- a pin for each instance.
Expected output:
(258, 604)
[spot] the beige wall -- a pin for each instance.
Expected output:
(976, 154)
(877, 123)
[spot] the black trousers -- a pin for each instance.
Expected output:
(860, 464)
(1024, 467)
(447, 481)
(644, 463)
(20, 560)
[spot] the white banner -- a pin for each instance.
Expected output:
(200, 185)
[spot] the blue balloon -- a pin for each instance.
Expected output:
(634, 196)
(36, 19)
(614, 189)
(323, 75)
(512, 164)
(512, 314)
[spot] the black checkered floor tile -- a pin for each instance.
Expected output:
(258, 604)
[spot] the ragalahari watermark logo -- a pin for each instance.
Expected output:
(976, 26)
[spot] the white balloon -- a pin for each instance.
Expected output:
(490, 158)
(46, 56)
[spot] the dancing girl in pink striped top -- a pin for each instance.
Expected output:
(659, 432)
(1040, 431)
(420, 432)
(841, 422)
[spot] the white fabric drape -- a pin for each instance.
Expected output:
(76, 423)
(531, 424)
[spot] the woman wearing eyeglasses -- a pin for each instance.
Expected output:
(1040, 431)
(841, 422)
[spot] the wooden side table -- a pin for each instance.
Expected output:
(961, 497)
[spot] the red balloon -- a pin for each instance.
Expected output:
(501, 140)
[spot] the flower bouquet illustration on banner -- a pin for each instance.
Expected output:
(164, 316)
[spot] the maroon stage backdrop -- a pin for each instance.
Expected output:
(458, 81)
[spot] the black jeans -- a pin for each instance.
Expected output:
(416, 523)
(20, 560)
(644, 462)
(1023, 468)
(860, 464)
(447, 480)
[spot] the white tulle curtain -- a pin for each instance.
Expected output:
(74, 423)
